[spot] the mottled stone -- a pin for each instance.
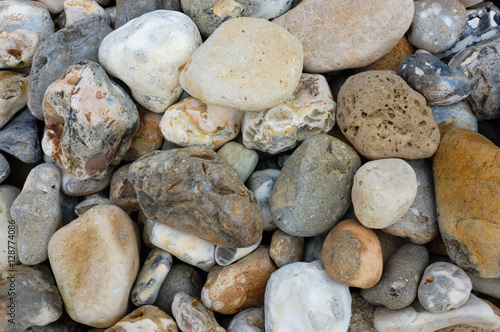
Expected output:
(248, 320)
(10, 231)
(127, 10)
(193, 122)
(78, 10)
(391, 60)
(122, 192)
(4, 169)
(95, 260)
(148, 54)
(13, 94)
(261, 184)
(194, 190)
(319, 25)
(303, 297)
(91, 201)
(192, 316)
(361, 315)
(389, 243)
(398, 286)
(147, 138)
(458, 115)
(313, 190)
(310, 111)
(313, 247)
(286, 249)
(227, 256)
(72, 186)
(146, 318)
(17, 48)
(243, 160)
(383, 117)
(89, 121)
(467, 179)
(266, 77)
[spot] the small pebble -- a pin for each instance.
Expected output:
(227, 256)
(242, 159)
(4, 168)
(78, 10)
(248, 320)
(261, 184)
(285, 248)
(72, 186)
(8, 194)
(146, 318)
(89, 202)
(192, 316)
(13, 94)
(122, 192)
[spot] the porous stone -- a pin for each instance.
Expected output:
(248, 320)
(4, 169)
(191, 315)
(89, 121)
(443, 287)
(243, 160)
(194, 190)
(319, 25)
(227, 256)
(193, 122)
(147, 138)
(8, 194)
(122, 192)
(310, 111)
(398, 286)
(467, 179)
(313, 189)
(352, 255)
(383, 191)
(303, 297)
(285, 248)
(145, 318)
(90, 201)
(261, 184)
(237, 66)
(458, 115)
(78, 10)
(37, 212)
(384, 118)
(13, 94)
(148, 54)
(17, 48)
(391, 60)
(95, 260)
(127, 10)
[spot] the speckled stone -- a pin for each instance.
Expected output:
(286, 249)
(90, 201)
(243, 160)
(248, 320)
(391, 60)
(227, 256)
(361, 315)
(13, 94)
(122, 192)
(191, 315)
(4, 168)
(127, 10)
(146, 318)
(310, 111)
(458, 115)
(261, 184)
(78, 10)
(8, 194)
(17, 48)
(313, 189)
(398, 286)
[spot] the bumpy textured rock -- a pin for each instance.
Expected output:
(17, 48)
(192, 122)
(261, 184)
(127, 10)
(78, 10)
(148, 54)
(238, 67)
(147, 138)
(319, 25)
(249, 320)
(243, 160)
(122, 192)
(383, 117)
(194, 190)
(95, 260)
(458, 114)
(8, 194)
(13, 94)
(467, 181)
(61, 50)
(4, 169)
(285, 248)
(191, 315)
(145, 318)
(89, 121)
(303, 297)
(391, 60)
(311, 110)
(313, 190)
(37, 212)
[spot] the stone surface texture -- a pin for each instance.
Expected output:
(191, 315)
(261, 184)
(122, 192)
(248, 320)
(13, 94)
(285, 248)
(146, 318)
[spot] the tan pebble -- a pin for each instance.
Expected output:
(285, 248)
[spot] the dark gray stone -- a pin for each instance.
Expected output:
(4, 168)
(127, 10)
(261, 184)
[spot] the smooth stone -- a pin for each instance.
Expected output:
(261, 184)
(319, 25)
(458, 115)
(313, 190)
(91, 201)
(389, 243)
(415, 318)
(352, 255)
(399, 283)
(37, 212)
(72, 186)
(481, 64)
(147, 138)
(20, 137)
(10, 231)
(437, 24)
(89, 121)
(62, 49)
(285, 249)
(148, 54)
(146, 318)
(111, 11)
(443, 287)
(488, 286)
(202, 194)
(151, 277)
(361, 315)
(439, 83)
(313, 247)
(4, 168)
(57, 326)
(469, 3)
(17, 48)
(36, 298)
(95, 286)
(193, 122)
(227, 256)
(239, 286)
(466, 179)
(127, 10)
(267, 76)
(13, 94)
(303, 297)
(248, 320)
(419, 223)
(383, 191)
(242, 159)
(209, 15)
(122, 192)
(192, 316)
(53, 6)
(310, 111)
(399, 125)
(489, 130)
(391, 60)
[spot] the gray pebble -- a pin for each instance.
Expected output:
(261, 184)
(127, 10)
(312, 248)
(68, 204)
(4, 168)
(248, 320)
(458, 115)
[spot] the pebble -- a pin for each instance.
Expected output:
(146, 318)
(90, 201)
(72, 186)
(192, 316)
(389, 243)
(4, 168)
(383, 191)
(37, 212)
(242, 159)
(458, 115)
(261, 184)
(17, 48)
(466, 171)
(313, 247)
(78, 10)
(109, 239)
(192, 122)
(443, 287)
(122, 192)
(286, 249)
(488, 286)
(127, 10)
(230, 70)
(8, 194)
(313, 189)
(437, 24)
(13, 94)
(148, 54)
(352, 255)
(303, 297)
(391, 60)
(398, 286)
(361, 315)
(399, 125)
(310, 111)
(248, 320)
(53, 6)
(227, 256)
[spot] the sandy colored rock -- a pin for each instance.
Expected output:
(238, 67)
(13, 94)
(122, 192)
(285, 248)
(391, 60)
(146, 318)
(147, 138)
(8, 194)
(17, 48)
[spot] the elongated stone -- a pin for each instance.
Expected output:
(261, 184)
(191, 315)
(227, 256)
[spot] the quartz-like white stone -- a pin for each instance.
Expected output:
(261, 184)
(248, 320)
(226, 256)
(242, 159)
